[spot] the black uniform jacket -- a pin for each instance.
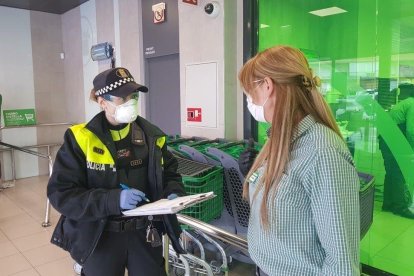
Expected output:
(86, 192)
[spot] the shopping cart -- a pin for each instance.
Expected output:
(197, 151)
(188, 265)
(221, 152)
(225, 154)
(202, 178)
(196, 261)
(228, 155)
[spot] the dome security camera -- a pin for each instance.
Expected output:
(212, 9)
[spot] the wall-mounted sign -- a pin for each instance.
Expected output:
(159, 12)
(194, 114)
(19, 117)
(193, 2)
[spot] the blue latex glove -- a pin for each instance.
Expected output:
(130, 198)
(172, 196)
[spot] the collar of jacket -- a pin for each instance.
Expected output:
(98, 125)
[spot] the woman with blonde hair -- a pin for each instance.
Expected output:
(303, 187)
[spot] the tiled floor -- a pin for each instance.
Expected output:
(389, 244)
(25, 248)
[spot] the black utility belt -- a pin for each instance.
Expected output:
(132, 224)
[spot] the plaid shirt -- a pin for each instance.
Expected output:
(314, 217)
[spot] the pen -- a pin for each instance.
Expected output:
(126, 187)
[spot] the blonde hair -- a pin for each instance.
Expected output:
(296, 96)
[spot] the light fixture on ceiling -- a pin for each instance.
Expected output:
(103, 51)
(328, 11)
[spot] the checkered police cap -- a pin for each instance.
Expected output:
(117, 82)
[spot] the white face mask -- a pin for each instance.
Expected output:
(126, 112)
(257, 111)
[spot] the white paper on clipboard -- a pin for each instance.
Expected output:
(166, 206)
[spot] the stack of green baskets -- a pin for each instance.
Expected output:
(234, 149)
(174, 142)
(202, 146)
(202, 178)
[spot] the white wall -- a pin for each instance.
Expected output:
(17, 85)
(204, 39)
(239, 63)
(233, 60)
(90, 68)
(130, 49)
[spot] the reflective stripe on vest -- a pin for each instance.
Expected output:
(160, 143)
(93, 148)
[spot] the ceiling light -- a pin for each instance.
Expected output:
(262, 26)
(328, 11)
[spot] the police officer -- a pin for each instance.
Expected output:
(116, 147)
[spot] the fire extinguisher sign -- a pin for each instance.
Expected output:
(193, 2)
(194, 114)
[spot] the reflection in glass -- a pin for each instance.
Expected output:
(365, 59)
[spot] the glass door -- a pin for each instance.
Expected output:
(363, 51)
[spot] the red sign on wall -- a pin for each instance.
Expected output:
(193, 2)
(193, 114)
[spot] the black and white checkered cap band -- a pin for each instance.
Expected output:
(113, 86)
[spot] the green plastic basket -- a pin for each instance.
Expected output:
(234, 149)
(210, 181)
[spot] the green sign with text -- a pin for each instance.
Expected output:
(19, 117)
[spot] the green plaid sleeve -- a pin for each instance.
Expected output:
(334, 203)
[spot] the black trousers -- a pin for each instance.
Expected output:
(119, 250)
(396, 194)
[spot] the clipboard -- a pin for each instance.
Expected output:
(166, 206)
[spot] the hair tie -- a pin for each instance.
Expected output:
(306, 82)
(317, 81)
(311, 83)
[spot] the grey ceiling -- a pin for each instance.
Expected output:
(50, 6)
